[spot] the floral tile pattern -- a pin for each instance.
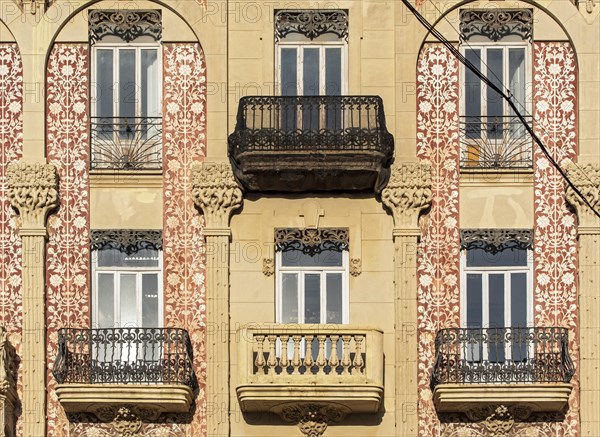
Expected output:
(438, 265)
(184, 144)
(11, 149)
(68, 247)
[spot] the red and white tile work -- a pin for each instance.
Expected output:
(11, 149)
(184, 144)
(438, 269)
(68, 248)
(555, 232)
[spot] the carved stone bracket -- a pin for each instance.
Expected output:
(33, 191)
(8, 384)
(128, 241)
(216, 192)
(312, 241)
(408, 193)
(498, 420)
(496, 24)
(313, 419)
(496, 240)
(126, 25)
(311, 23)
(126, 422)
(587, 180)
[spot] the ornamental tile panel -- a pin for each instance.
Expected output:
(67, 250)
(555, 231)
(184, 144)
(438, 267)
(11, 150)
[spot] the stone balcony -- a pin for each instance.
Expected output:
(285, 367)
(311, 143)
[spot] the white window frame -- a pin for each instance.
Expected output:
(321, 45)
(485, 301)
(302, 271)
(138, 47)
(484, 46)
(117, 271)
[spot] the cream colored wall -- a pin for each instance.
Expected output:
(252, 294)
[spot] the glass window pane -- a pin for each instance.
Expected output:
(106, 300)
(312, 298)
(473, 95)
(150, 88)
(333, 71)
(127, 85)
(150, 300)
(289, 297)
(496, 316)
(509, 257)
(116, 258)
(518, 314)
(128, 304)
(474, 301)
(495, 103)
(311, 73)
(327, 258)
(334, 298)
(104, 83)
(289, 72)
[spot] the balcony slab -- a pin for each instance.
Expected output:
(540, 397)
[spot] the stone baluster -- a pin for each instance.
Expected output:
(321, 360)
(272, 360)
(358, 363)
(260, 354)
(333, 358)
(346, 354)
(217, 194)
(284, 361)
(308, 358)
(296, 362)
(33, 191)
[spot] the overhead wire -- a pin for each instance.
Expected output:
(456, 53)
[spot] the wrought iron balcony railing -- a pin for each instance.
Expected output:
(124, 356)
(495, 142)
(305, 138)
(502, 356)
(126, 143)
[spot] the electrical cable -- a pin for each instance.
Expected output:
(456, 53)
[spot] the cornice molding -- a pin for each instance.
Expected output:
(216, 192)
(408, 193)
(33, 191)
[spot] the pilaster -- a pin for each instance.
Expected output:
(587, 179)
(216, 192)
(33, 191)
(407, 194)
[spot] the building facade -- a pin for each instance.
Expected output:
(311, 218)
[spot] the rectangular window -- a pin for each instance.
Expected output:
(126, 121)
(492, 135)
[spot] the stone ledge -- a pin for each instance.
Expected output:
(94, 398)
(354, 398)
(549, 397)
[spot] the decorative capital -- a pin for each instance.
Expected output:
(216, 192)
(313, 419)
(33, 191)
(408, 193)
(587, 179)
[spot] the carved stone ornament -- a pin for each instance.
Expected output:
(587, 180)
(311, 23)
(128, 241)
(216, 192)
(499, 420)
(313, 419)
(33, 191)
(8, 384)
(590, 5)
(355, 266)
(127, 423)
(496, 240)
(126, 25)
(408, 193)
(268, 266)
(312, 241)
(496, 24)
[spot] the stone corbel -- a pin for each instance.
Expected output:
(216, 192)
(8, 387)
(33, 191)
(312, 419)
(408, 193)
(587, 180)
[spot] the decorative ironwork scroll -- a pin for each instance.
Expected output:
(496, 240)
(312, 241)
(127, 25)
(128, 241)
(496, 24)
(311, 23)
